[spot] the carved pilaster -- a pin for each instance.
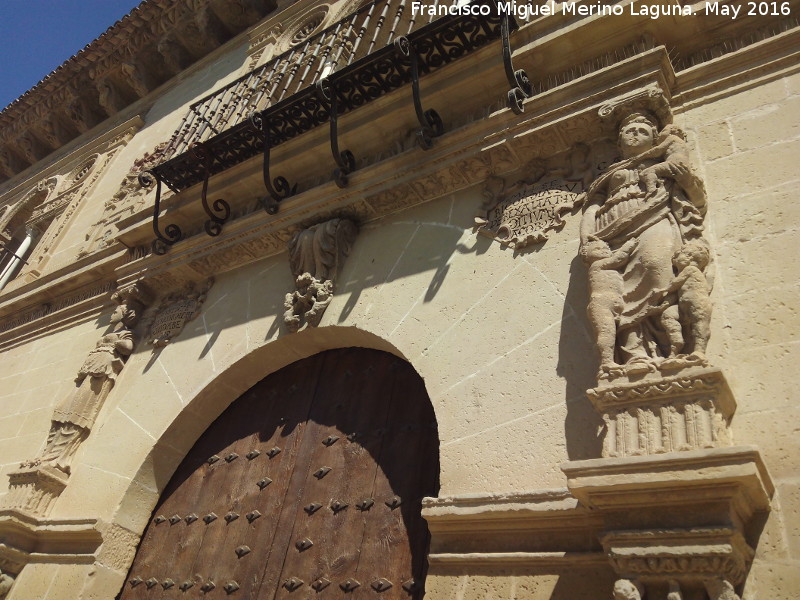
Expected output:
(39, 482)
(676, 497)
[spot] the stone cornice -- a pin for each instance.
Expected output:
(154, 42)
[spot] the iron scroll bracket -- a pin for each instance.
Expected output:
(518, 80)
(430, 122)
(220, 210)
(172, 233)
(278, 188)
(345, 161)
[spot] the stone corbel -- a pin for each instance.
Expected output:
(315, 256)
(175, 55)
(136, 78)
(109, 96)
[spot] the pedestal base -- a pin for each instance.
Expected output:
(35, 489)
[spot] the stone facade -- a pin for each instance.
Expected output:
(599, 293)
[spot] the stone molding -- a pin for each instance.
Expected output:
(544, 528)
(27, 539)
(688, 554)
(155, 42)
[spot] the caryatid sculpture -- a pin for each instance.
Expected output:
(648, 263)
(74, 416)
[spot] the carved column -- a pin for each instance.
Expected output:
(676, 496)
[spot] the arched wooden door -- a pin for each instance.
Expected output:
(308, 486)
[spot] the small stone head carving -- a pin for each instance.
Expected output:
(695, 253)
(594, 249)
(625, 589)
(637, 132)
(129, 309)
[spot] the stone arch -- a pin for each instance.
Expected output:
(122, 534)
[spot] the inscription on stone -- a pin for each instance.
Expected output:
(524, 216)
(175, 311)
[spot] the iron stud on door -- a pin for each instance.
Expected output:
(252, 516)
(320, 584)
(381, 585)
(349, 585)
(292, 583)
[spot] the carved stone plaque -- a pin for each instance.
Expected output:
(524, 216)
(175, 311)
(520, 214)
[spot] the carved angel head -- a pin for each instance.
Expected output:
(625, 589)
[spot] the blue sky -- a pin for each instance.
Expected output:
(38, 35)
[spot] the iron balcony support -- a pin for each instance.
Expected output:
(344, 159)
(172, 233)
(518, 80)
(219, 212)
(279, 188)
(430, 122)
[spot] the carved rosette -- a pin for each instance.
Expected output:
(315, 256)
(690, 411)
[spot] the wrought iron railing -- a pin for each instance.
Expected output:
(379, 48)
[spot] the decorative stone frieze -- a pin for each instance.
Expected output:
(315, 257)
(175, 310)
(692, 555)
(40, 480)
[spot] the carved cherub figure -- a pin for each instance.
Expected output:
(6, 581)
(693, 306)
(605, 285)
(672, 148)
(625, 589)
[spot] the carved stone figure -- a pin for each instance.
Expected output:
(674, 591)
(75, 415)
(647, 210)
(625, 589)
(720, 589)
(6, 581)
(315, 255)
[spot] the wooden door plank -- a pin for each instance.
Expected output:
(347, 406)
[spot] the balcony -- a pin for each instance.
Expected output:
(379, 48)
